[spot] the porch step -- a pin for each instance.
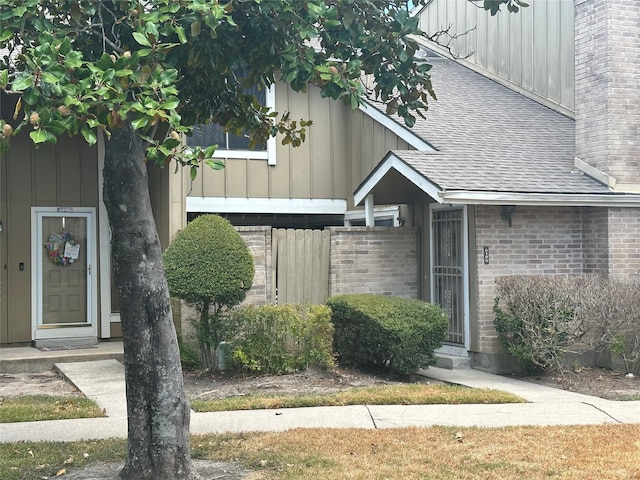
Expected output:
(30, 359)
(452, 362)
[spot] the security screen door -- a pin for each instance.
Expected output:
(448, 270)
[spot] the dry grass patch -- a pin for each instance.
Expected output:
(47, 460)
(609, 452)
(414, 394)
(31, 408)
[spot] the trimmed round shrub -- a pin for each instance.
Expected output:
(209, 262)
(209, 266)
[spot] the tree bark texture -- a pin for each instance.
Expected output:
(157, 407)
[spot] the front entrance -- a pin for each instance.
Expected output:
(449, 274)
(64, 282)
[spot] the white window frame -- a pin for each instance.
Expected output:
(269, 154)
(379, 213)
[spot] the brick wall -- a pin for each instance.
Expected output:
(362, 260)
(624, 241)
(541, 240)
(607, 48)
(382, 260)
(595, 239)
(258, 239)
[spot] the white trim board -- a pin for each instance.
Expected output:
(402, 132)
(474, 197)
(394, 162)
(294, 206)
(543, 199)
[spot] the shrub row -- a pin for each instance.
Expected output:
(539, 319)
(386, 332)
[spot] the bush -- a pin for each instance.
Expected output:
(279, 339)
(190, 358)
(392, 333)
(209, 266)
(541, 318)
(536, 318)
(611, 311)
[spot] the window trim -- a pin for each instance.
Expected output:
(269, 154)
(388, 212)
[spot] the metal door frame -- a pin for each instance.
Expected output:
(451, 348)
(90, 328)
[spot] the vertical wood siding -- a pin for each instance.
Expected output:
(532, 50)
(341, 149)
(316, 169)
(62, 175)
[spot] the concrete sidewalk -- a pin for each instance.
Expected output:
(103, 381)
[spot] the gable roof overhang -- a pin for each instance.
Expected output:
(397, 180)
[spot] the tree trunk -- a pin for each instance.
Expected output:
(157, 407)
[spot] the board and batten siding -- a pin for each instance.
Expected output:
(64, 175)
(341, 148)
(315, 170)
(369, 142)
(531, 51)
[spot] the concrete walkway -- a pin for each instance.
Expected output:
(103, 381)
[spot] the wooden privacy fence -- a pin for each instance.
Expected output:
(300, 265)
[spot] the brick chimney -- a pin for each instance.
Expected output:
(607, 103)
(607, 91)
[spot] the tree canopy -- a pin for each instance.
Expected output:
(84, 67)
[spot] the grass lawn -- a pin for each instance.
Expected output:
(609, 452)
(414, 394)
(31, 408)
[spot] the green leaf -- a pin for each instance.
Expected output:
(141, 39)
(181, 35)
(5, 35)
(108, 75)
(171, 103)
(56, 128)
(170, 143)
(89, 135)
(210, 150)
(347, 18)
(19, 11)
(41, 135)
(22, 82)
(193, 172)
(4, 79)
(215, 164)
(140, 122)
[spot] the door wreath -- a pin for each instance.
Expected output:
(62, 248)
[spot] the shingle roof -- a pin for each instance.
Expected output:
(490, 138)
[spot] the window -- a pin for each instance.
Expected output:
(234, 146)
(383, 217)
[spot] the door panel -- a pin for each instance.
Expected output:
(64, 288)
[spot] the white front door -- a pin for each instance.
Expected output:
(64, 282)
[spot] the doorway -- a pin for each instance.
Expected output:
(450, 272)
(64, 280)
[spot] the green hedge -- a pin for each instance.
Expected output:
(281, 339)
(385, 332)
